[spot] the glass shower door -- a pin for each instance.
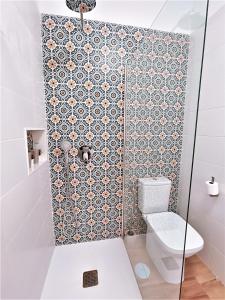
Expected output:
(162, 87)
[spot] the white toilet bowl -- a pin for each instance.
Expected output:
(166, 230)
(165, 243)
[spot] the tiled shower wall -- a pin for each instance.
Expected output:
(85, 82)
(154, 105)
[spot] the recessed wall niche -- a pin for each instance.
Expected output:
(36, 148)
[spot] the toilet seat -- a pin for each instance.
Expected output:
(169, 228)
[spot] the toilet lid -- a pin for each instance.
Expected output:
(170, 230)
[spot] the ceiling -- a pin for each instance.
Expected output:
(169, 15)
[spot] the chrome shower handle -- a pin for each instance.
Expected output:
(85, 153)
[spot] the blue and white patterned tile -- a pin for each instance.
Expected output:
(89, 109)
(59, 35)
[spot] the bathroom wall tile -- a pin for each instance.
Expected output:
(13, 221)
(189, 122)
(202, 172)
(214, 29)
(22, 117)
(22, 253)
(218, 265)
(27, 227)
(213, 77)
(11, 53)
(90, 110)
(215, 150)
(160, 136)
(14, 164)
(44, 254)
(215, 237)
(211, 122)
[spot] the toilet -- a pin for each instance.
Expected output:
(165, 230)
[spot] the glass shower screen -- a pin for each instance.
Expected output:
(162, 80)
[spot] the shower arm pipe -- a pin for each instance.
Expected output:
(81, 6)
(81, 20)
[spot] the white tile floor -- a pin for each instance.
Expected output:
(109, 257)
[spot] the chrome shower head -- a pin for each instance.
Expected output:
(81, 6)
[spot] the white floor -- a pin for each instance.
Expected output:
(109, 257)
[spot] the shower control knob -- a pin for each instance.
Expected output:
(85, 153)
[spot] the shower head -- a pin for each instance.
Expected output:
(66, 145)
(81, 6)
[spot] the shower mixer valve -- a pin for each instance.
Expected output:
(85, 153)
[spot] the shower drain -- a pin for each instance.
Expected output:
(90, 278)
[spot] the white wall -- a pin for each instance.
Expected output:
(27, 239)
(155, 14)
(192, 90)
(207, 214)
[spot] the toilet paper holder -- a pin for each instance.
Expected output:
(212, 180)
(212, 187)
(85, 153)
